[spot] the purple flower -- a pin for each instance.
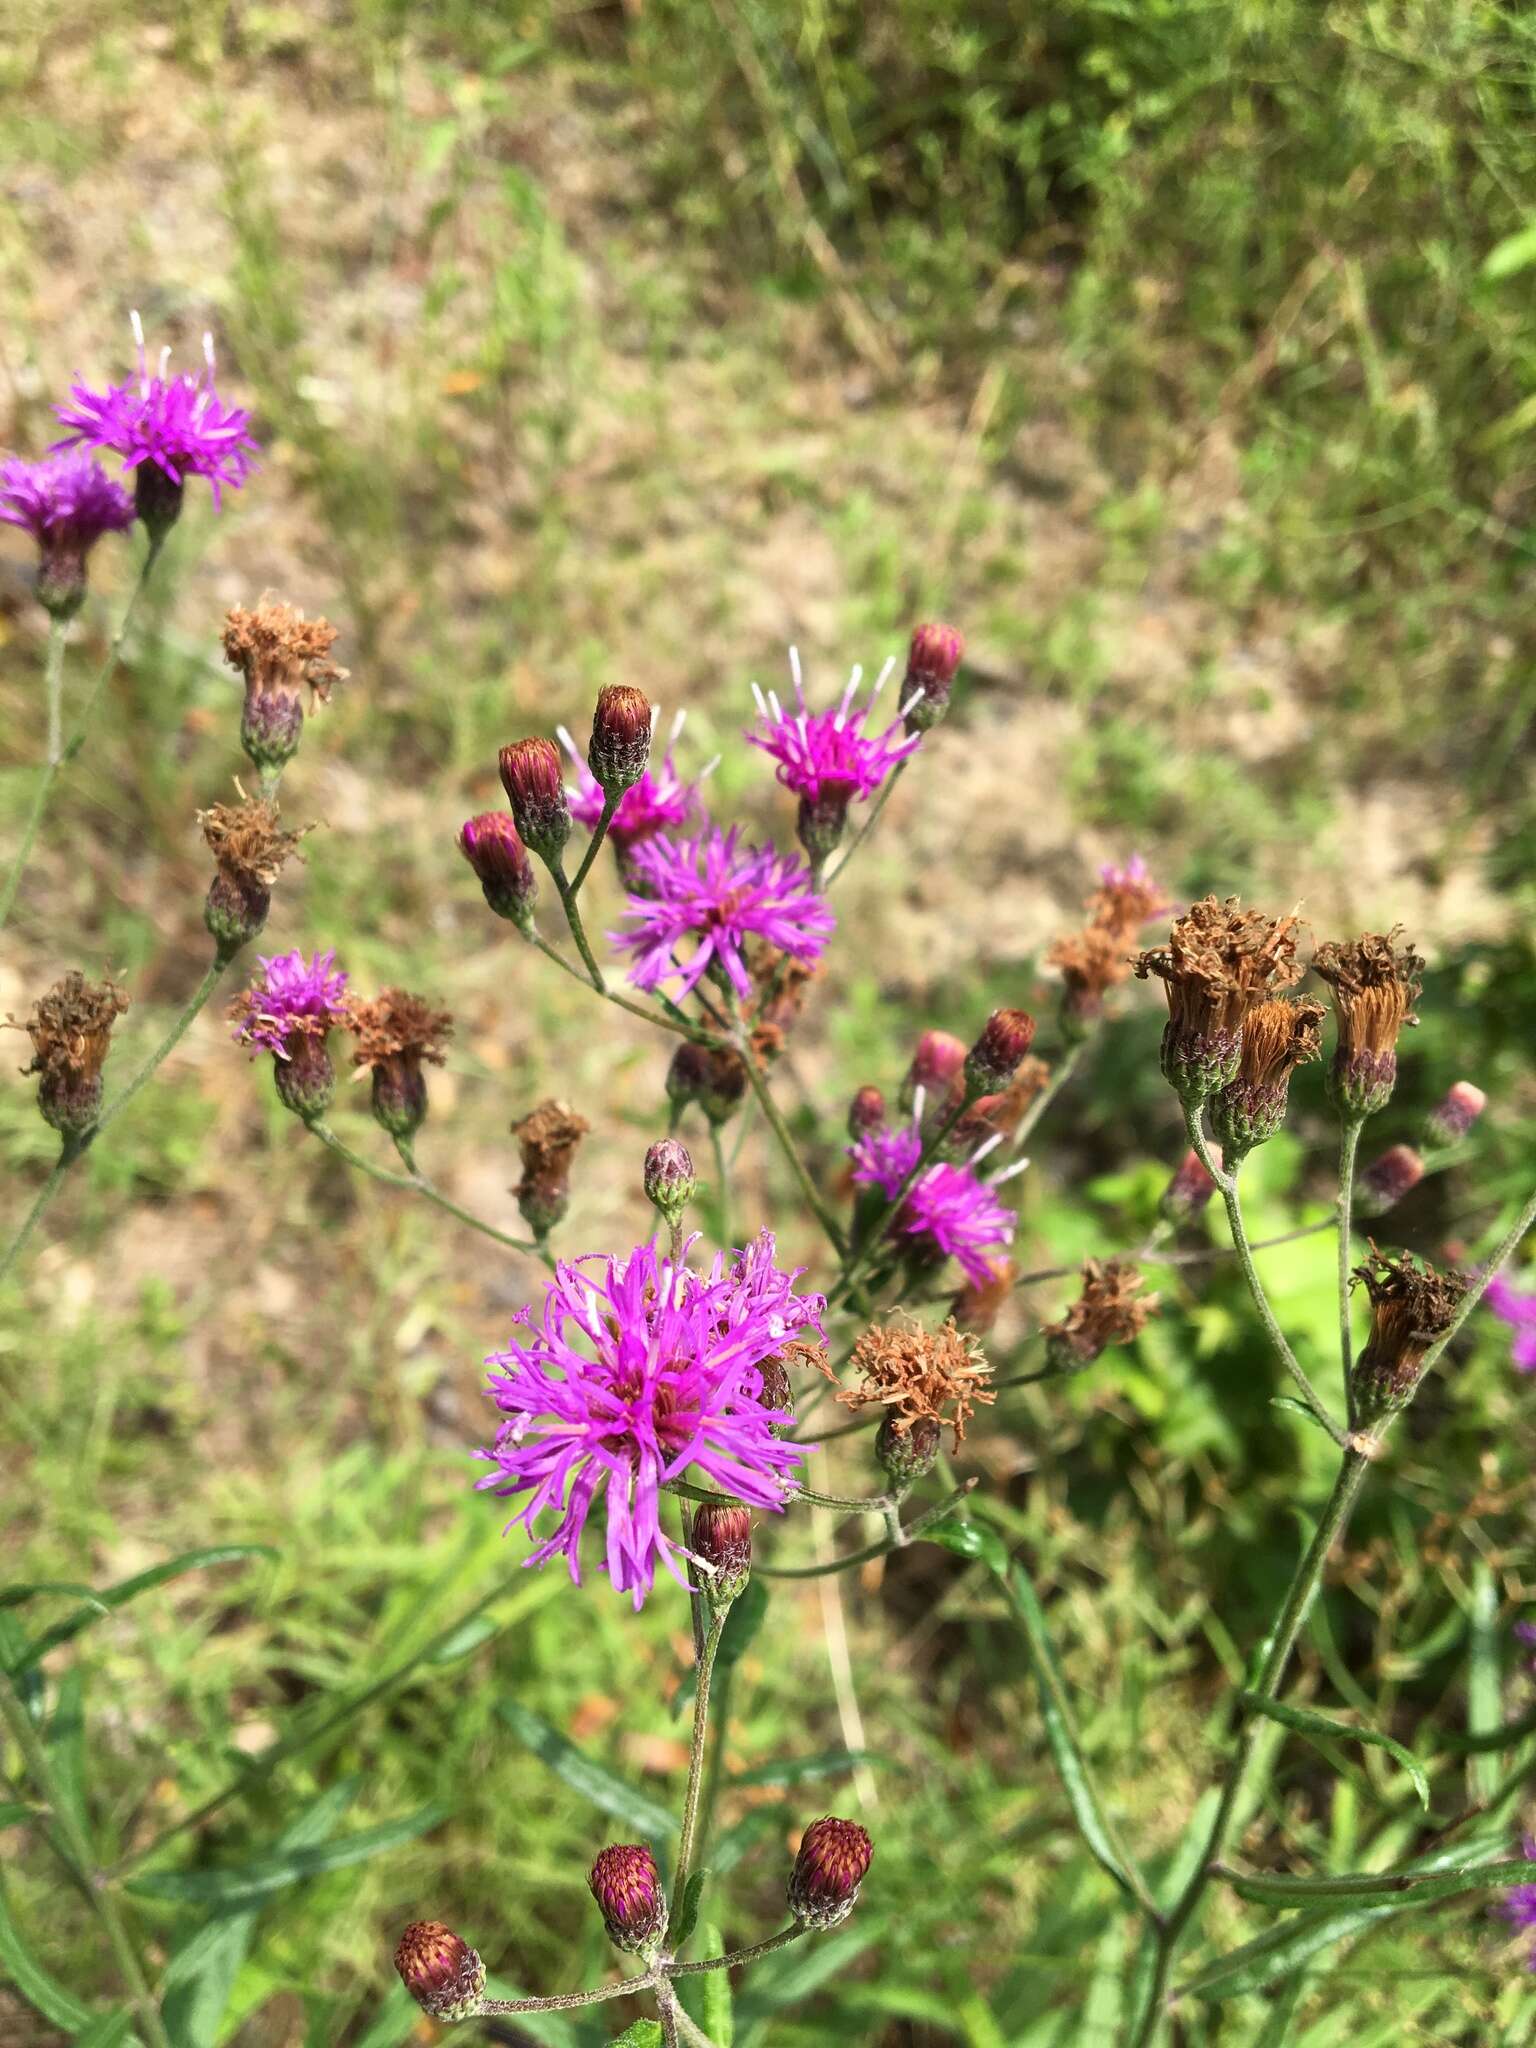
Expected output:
(827, 757)
(1518, 1905)
(948, 1212)
(659, 802)
(291, 997)
(720, 894)
(638, 1373)
(177, 424)
(67, 503)
(1517, 1309)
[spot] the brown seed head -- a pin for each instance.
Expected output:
(1411, 1305)
(71, 1029)
(279, 651)
(398, 1026)
(547, 1140)
(1219, 962)
(1110, 1310)
(1375, 983)
(1091, 963)
(914, 1373)
(248, 842)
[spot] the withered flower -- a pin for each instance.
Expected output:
(715, 1077)
(1411, 1305)
(917, 1374)
(1110, 1310)
(547, 1139)
(1376, 982)
(71, 1029)
(1219, 962)
(1277, 1037)
(1091, 963)
(395, 1033)
(280, 653)
(250, 847)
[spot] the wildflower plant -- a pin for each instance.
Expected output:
(654, 1409)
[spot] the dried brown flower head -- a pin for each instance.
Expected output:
(1219, 962)
(247, 840)
(1376, 982)
(395, 1033)
(547, 1140)
(917, 1374)
(1111, 1309)
(279, 651)
(1411, 1305)
(1277, 1036)
(1124, 901)
(71, 1029)
(1091, 963)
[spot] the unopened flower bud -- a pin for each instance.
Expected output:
(1190, 1188)
(908, 1451)
(1386, 1180)
(999, 1052)
(500, 860)
(722, 1539)
(1455, 1114)
(441, 1972)
(669, 1182)
(535, 786)
(834, 1859)
(866, 1113)
(306, 1079)
(621, 738)
(933, 660)
(627, 1887)
(714, 1077)
(937, 1062)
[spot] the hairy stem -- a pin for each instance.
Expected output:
(879, 804)
(885, 1545)
(789, 1148)
(417, 1183)
(689, 1831)
(69, 1152)
(1349, 1144)
(663, 1022)
(599, 834)
(739, 1955)
(556, 865)
(566, 2001)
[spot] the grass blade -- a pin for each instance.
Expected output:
(607, 1793)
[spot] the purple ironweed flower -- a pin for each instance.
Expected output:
(166, 428)
(826, 757)
(291, 996)
(948, 1212)
(640, 1372)
(1518, 1309)
(66, 504)
(1518, 1905)
(720, 894)
(660, 801)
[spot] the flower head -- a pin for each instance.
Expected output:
(1218, 963)
(826, 757)
(720, 895)
(395, 1034)
(166, 428)
(947, 1212)
(1097, 959)
(289, 1011)
(66, 504)
(722, 1548)
(1278, 1035)
(280, 654)
(833, 1862)
(546, 1141)
(659, 802)
(250, 848)
(1411, 1305)
(1375, 983)
(668, 1178)
(622, 724)
(530, 774)
(938, 1061)
(71, 1029)
(1388, 1178)
(919, 1375)
(933, 662)
(1455, 1113)
(500, 860)
(440, 1970)
(1111, 1309)
(1516, 1307)
(1127, 897)
(628, 1889)
(640, 1371)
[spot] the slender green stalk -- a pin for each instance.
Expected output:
(69, 1152)
(611, 803)
(881, 1548)
(689, 1831)
(59, 753)
(433, 1193)
(73, 1847)
(680, 1024)
(1227, 1185)
(876, 1503)
(567, 2001)
(722, 1182)
(1060, 1075)
(417, 1184)
(790, 1149)
(556, 866)
(869, 824)
(1280, 1890)
(1349, 1144)
(745, 1955)
(684, 2029)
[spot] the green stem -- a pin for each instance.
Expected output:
(743, 1955)
(72, 1845)
(722, 1183)
(1309, 1891)
(566, 2001)
(599, 834)
(876, 1503)
(418, 1186)
(556, 866)
(59, 752)
(689, 1830)
(659, 1018)
(684, 2029)
(1227, 1184)
(881, 1548)
(788, 1147)
(869, 823)
(433, 1193)
(69, 1152)
(1349, 1144)
(1060, 1075)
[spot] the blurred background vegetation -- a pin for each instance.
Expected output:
(1185, 355)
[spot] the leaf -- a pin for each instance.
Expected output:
(1307, 1721)
(1282, 1950)
(33, 1981)
(14, 1811)
(1300, 1408)
(688, 1911)
(1515, 253)
(14, 1596)
(716, 2014)
(640, 2034)
(243, 1883)
(394, 2022)
(970, 1539)
(107, 2030)
(607, 1793)
(830, 1763)
(1406, 1887)
(65, 1738)
(119, 1595)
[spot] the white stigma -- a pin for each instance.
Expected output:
(919, 1102)
(883, 678)
(1009, 1172)
(760, 701)
(912, 702)
(989, 1145)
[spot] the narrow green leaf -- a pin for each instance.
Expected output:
(65, 1738)
(970, 1539)
(688, 1911)
(1281, 1951)
(748, 1612)
(831, 1763)
(112, 1597)
(244, 1883)
(14, 1596)
(1515, 253)
(716, 2013)
(607, 1793)
(107, 2030)
(13, 1811)
(34, 1983)
(1307, 1721)
(1407, 1887)
(640, 2034)
(1299, 1408)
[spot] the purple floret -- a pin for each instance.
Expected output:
(179, 424)
(291, 995)
(1518, 1906)
(949, 1211)
(638, 1373)
(1513, 1306)
(721, 895)
(827, 755)
(66, 503)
